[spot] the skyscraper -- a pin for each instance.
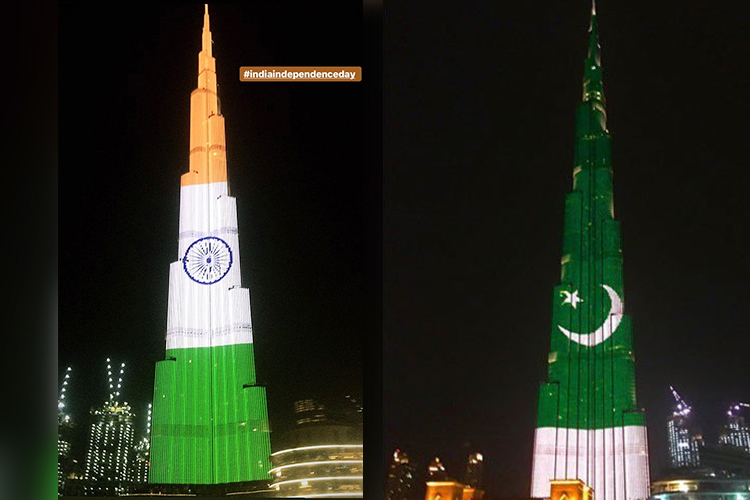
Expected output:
(474, 468)
(589, 426)
(684, 443)
(736, 432)
(400, 482)
(107, 471)
(210, 419)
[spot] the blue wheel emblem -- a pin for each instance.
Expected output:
(207, 260)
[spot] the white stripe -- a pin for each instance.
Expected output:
(613, 461)
(201, 315)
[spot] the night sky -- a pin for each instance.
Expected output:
(479, 156)
(295, 165)
(478, 120)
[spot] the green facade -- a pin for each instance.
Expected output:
(213, 423)
(590, 386)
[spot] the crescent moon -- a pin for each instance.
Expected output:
(606, 329)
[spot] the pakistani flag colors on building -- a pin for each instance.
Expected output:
(210, 421)
(589, 426)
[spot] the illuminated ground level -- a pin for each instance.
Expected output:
(708, 488)
(325, 461)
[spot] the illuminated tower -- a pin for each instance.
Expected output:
(589, 426)
(210, 422)
(684, 444)
(107, 471)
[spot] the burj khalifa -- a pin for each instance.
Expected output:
(210, 418)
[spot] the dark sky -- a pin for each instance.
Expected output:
(295, 165)
(479, 155)
(479, 111)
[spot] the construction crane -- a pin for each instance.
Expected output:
(61, 399)
(112, 391)
(683, 408)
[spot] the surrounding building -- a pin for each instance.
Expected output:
(703, 488)
(451, 490)
(141, 450)
(684, 442)
(400, 482)
(444, 490)
(736, 433)
(319, 459)
(442, 487)
(570, 489)
(436, 471)
(589, 425)
(720, 460)
(210, 418)
(474, 468)
(690, 457)
(107, 470)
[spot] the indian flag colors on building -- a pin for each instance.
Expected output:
(589, 426)
(210, 421)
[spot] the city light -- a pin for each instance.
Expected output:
(317, 447)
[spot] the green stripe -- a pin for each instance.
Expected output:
(210, 422)
(590, 387)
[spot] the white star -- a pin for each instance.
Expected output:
(571, 298)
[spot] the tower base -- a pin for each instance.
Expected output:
(613, 461)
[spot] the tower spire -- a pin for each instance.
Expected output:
(206, 40)
(593, 88)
